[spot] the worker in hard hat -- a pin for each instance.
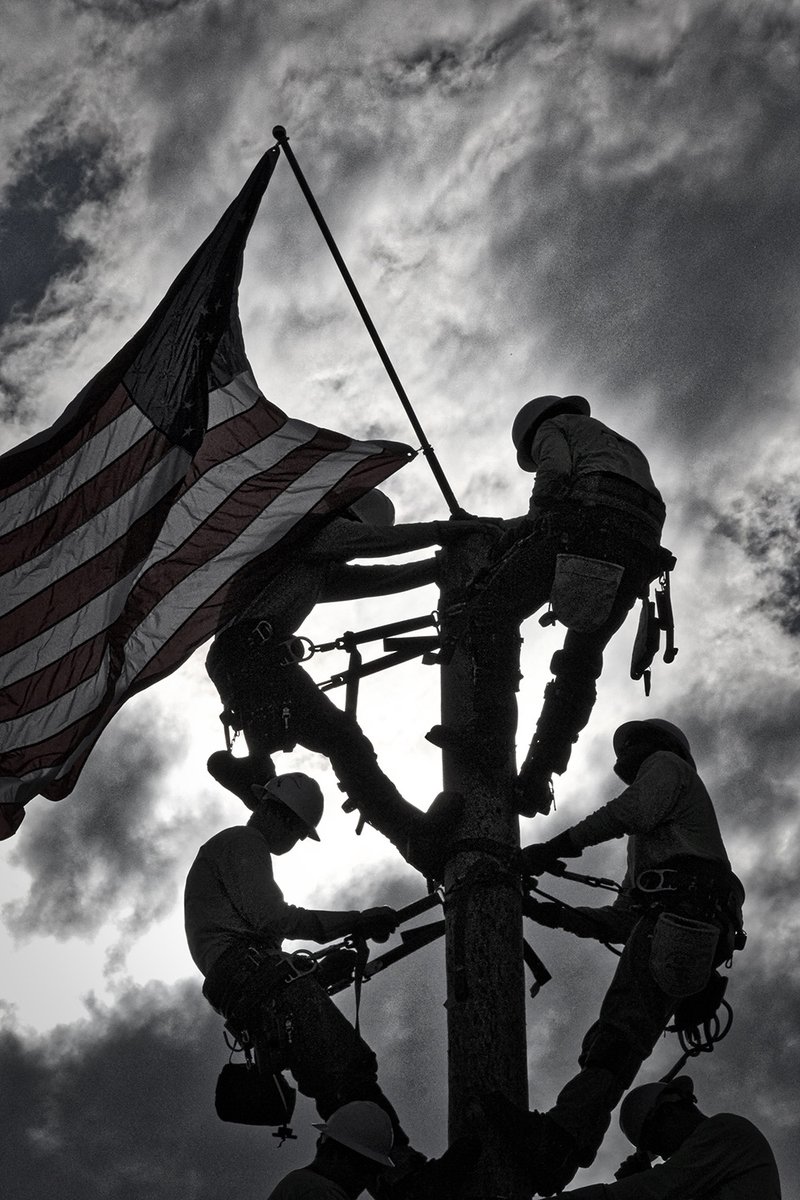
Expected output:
(721, 1157)
(678, 916)
(236, 920)
(590, 544)
(254, 663)
(353, 1152)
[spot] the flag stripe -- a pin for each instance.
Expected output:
(175, 584)
(50, 482)
(103, 515)
(176, 638)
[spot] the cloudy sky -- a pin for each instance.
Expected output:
(533, 197)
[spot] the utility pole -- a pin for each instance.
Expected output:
(487, 1047)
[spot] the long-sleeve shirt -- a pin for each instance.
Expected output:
(568, 447)
(666, 812)
(318, 571)
(724, 1158)
(305, 1184)
(231, 895)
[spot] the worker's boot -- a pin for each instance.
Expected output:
(423, 838)
(533, 790)
(568, 703)
(239, 774)
(548, 1154)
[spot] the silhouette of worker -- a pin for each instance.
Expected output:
(678, 915)
(353, 1153)
(590, 543)
(236, 920)
(719, 1157)
(268, 695)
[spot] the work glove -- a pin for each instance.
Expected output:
(633, 1164)
(458, 527)
(376, 923)
(543, 856)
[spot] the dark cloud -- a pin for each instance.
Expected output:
(651, 225)
(102, 851)
(132, 12)
(765, 521)
(56, 174)
(121, 1106)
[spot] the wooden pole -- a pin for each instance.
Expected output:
(483, 899)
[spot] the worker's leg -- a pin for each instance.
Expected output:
(568, 702)
(330, 1062)
(633, 1016)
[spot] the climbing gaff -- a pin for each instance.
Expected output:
(282, 137)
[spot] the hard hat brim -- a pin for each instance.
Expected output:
(373, 1155)
(650, 726)
(525, 428)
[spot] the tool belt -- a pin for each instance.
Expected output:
(615, 491)
(247, 976)
(246, 638)
(707, 890)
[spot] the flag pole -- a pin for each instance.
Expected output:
(282, 137)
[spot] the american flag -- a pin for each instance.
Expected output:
(127, 527)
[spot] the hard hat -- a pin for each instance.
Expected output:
(364, 1127)
(530, 417)
(373, 508)
(664, 729)
(299, 793)
(641, 1102)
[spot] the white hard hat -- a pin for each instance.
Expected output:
(530, 417)
(642, 1101)
(669, 731)
(300, 793)
(364, 1127)
(373, 508)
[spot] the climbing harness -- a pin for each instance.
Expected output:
(255, 1092)
(701, 1019)
(300, 649)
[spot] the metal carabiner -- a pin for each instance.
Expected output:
(657, 879)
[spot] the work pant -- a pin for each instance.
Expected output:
(280, 707)
(522, 582)
(330, 1062)
(634, 1013)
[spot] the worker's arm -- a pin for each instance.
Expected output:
(342, 540)
(647, 803)
(551, 453)
(722, 1149)
(608, 923)
(255, 895)
(346, 582)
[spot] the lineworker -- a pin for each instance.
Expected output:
(253, 663)
(353, 1153)
(679, 915)
(591, 544)
(719, 1157)
(236, 920)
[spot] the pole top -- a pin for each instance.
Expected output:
(280, 133)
